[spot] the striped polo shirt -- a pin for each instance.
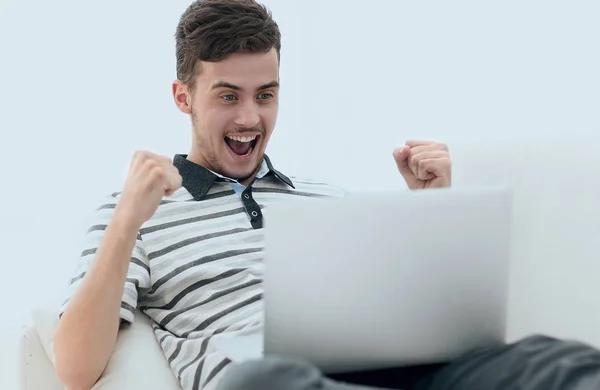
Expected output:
(197, 265)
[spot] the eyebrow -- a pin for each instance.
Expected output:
(225, 84)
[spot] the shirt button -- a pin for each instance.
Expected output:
(254, 214)
(246, 196)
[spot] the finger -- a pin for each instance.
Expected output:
(167, 165)
(153, 176)
(413, 142)
(165, 160)
(145, 159)
(431, 146)
(415, 162)
(434, 167)
(415, 157)
(175, 181)
(401, 156)
(170, 191)
(139, 157)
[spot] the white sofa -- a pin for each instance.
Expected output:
(136, 363)
(37, 371)
(554, 285)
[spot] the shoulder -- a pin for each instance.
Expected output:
(108, 201)
(101, 209)
(321, 187)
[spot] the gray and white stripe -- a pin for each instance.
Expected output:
(196, 271)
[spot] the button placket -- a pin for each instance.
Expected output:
(252, 209)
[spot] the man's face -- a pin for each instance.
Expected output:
(234, 108)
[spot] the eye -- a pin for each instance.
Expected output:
(229, 98)
(265, 96)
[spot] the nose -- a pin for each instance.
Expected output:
(248, 116)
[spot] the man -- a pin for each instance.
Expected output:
(183, 240)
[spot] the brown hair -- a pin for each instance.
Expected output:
(211, 30)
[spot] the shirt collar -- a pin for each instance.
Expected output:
(262, 172)
(198, 180)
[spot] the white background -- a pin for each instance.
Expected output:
(84, 84)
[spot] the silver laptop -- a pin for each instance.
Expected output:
(382, 280)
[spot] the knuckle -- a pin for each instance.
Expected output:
(150, 166)
(165, 159)
(158, 171)
(140, 154)
(158, 178)
(157, 174)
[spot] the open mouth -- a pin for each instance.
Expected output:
(241, 145)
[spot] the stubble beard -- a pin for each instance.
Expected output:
(203, 147)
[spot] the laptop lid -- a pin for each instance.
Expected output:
(381, 280)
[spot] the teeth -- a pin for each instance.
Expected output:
(241, 139)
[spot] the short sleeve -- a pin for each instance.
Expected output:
(138, 275)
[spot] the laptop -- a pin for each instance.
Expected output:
(383, 280)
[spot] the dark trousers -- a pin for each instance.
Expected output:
(534, 363)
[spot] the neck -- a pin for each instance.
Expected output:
(246, 181)
(198, 159)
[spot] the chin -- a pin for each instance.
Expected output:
(240, 175)
(243, 155)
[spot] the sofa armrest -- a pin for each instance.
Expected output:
(137, 361)
(37, 371)
(11, 362)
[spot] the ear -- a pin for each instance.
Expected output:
(182, 97)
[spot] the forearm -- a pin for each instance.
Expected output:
(88, 329)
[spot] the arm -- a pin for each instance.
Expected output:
(87, 332)
(114, 267)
